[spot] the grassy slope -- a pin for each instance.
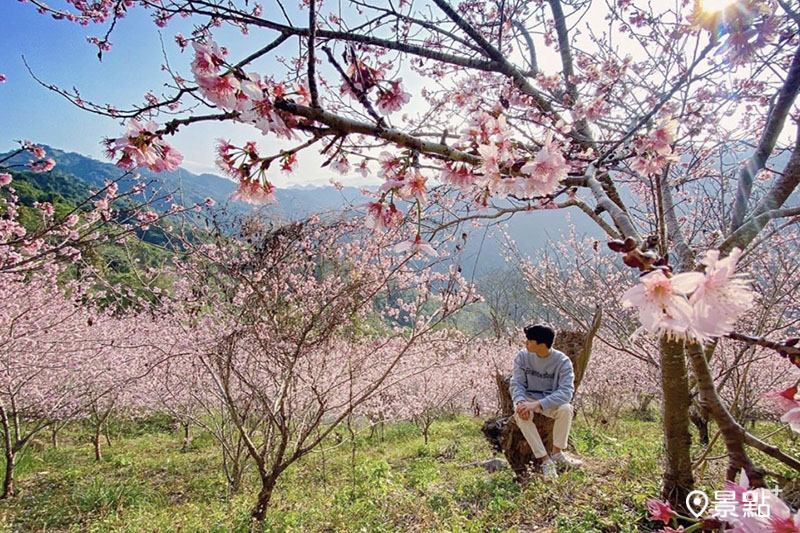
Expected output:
(145, 483)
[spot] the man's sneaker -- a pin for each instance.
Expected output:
(549, 469)
(565, 460)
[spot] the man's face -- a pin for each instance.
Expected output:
(533, 346)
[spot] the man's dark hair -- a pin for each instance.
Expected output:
(541, 334)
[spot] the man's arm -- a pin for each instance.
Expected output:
(566, 386)
(517, 385)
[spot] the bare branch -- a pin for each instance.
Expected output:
(769, 136)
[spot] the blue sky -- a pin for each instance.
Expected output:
(58, 53)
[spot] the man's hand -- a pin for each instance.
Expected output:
(525, 409)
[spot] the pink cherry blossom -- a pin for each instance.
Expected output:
(393, 99)
(490, 165)
(289, 163)
(662, 302)
(459, 176)
(36, 150)
(340, 165)
(660, 511)
(662, 137)
(380, 216)
(792, 417)
(779, 519)
(43, 165)
(5, 179)
(416, 245)
(786, 399)
(721, 296)
(254, 192)
(142, 146)
(415, 188)
(545, 171)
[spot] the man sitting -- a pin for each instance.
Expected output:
(543, 382)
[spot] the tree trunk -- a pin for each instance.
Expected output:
(259, 512)
(98, 455)
(503, 433)
(8, 449)
(54, 435)
(186, 437)
(8, 481)
(678, 479)
(700, 421)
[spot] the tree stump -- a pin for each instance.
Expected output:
(502, 431)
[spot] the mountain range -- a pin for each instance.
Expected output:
(483, 252)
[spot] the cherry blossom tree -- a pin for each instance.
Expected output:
(106, 215)
(511, 107)
(294, 330)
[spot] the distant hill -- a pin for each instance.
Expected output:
(530, 231)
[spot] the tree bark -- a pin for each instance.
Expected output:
(8, 449)
(186, 437)
(98, 454)
(678, 479)
(732, 432)
(700, 421)
(8, 480)
(259, 512)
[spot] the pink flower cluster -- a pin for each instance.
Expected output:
(143, 146)
(393, 98)
(501, 157)
(779, 519)
(654, 152)
(365, 78)
(787, 401)
(692, 305)
(249, 96)
(249, 169)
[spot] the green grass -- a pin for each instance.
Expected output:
(145, 483)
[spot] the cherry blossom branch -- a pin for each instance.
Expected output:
(567, 69)
(504, 66)
(611, 232)
(782, 347)
(97, 109)
(422, 23)
(685, 254)
(263, 51)
(361, 95)
(644, 119)
(312, 42)
(621, 218)
(771, 450)
(346, 125)
(769, 137)
(732, 431)
(532, 62)
(746, 233)
(400, 46)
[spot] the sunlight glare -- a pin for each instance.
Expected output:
(713, 6)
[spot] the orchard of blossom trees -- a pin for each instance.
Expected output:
(672, 127)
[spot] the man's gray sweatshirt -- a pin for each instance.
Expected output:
(547, 379)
